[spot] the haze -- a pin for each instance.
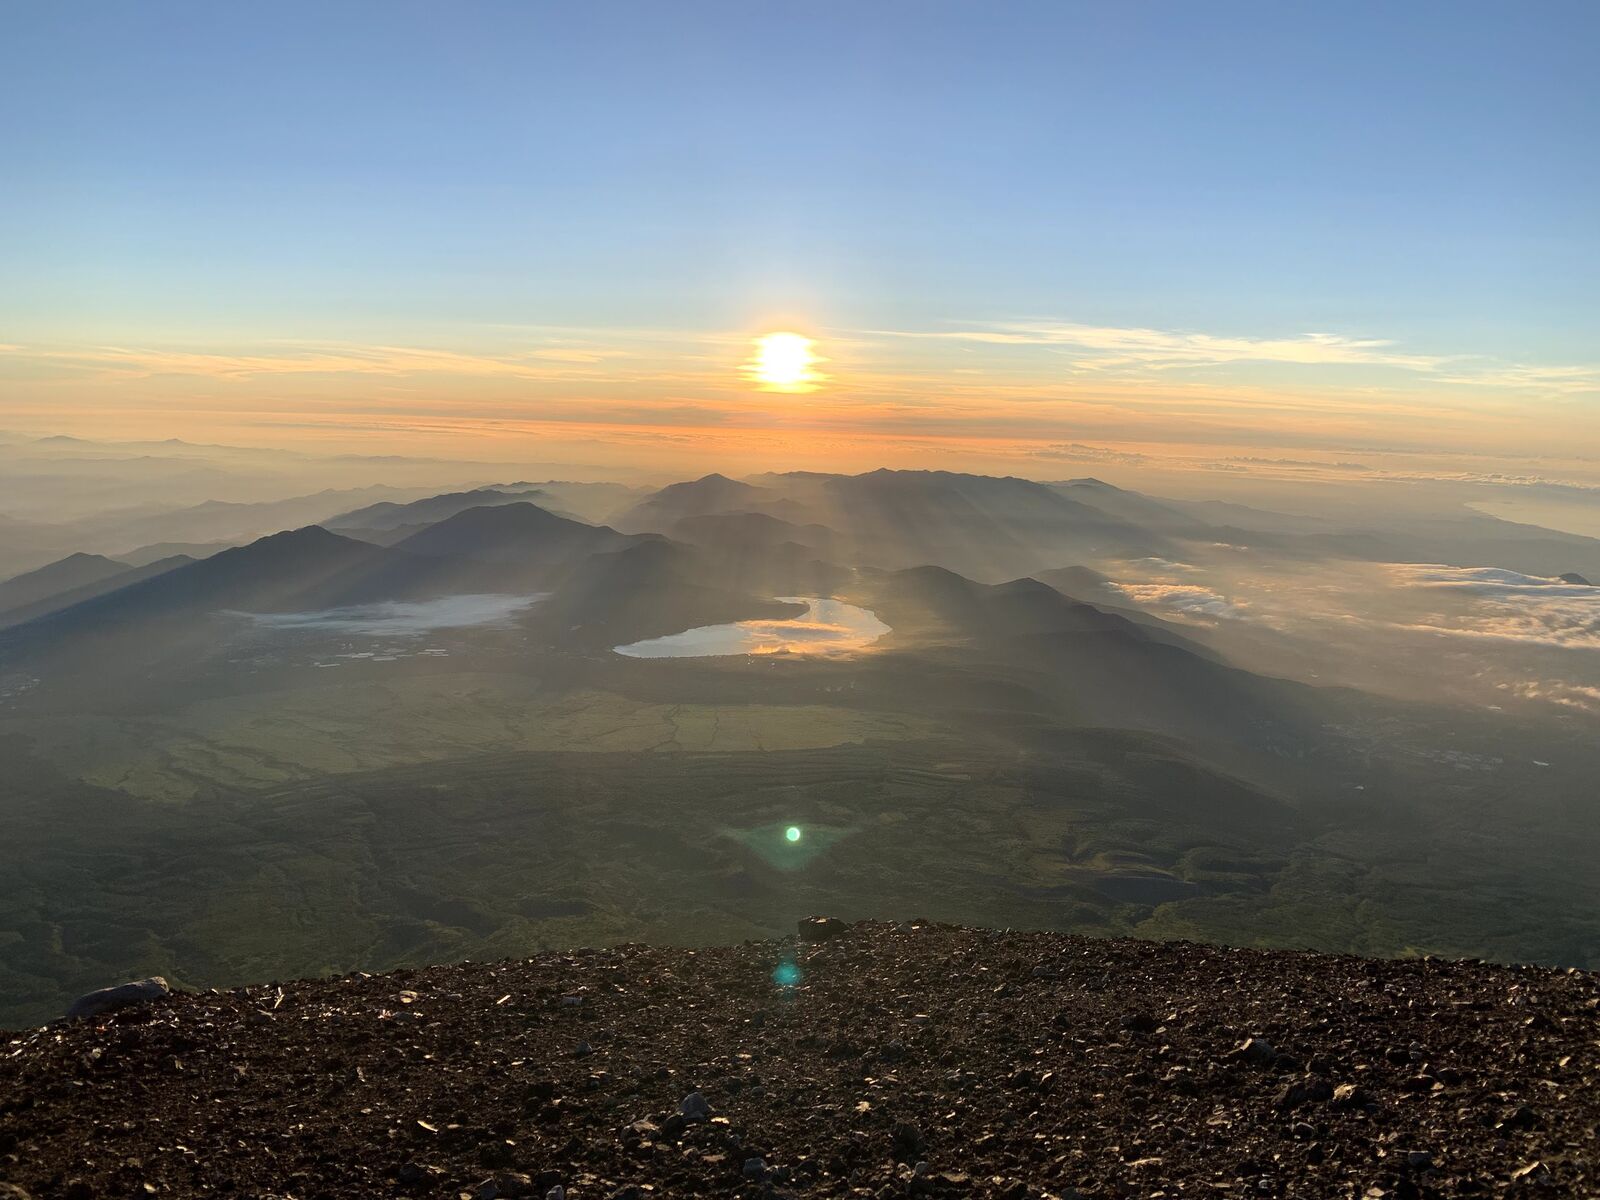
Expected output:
(1026, 242)
(474, 479)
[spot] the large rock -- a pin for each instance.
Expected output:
(124, 995)
(821, 929)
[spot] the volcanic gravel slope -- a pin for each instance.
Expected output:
(910, 1059)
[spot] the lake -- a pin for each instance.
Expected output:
(399, 618)
(827, 627)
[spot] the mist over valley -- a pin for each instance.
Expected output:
(514, 715)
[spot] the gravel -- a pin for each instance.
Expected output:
(904, 1059)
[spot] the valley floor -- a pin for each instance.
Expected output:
(881, 1060)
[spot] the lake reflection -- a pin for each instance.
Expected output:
(395, 618)
(828, 627)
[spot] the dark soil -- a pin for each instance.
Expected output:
(905, 1060)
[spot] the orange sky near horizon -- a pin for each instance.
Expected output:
(1027, 401)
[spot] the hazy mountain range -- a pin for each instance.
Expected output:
(403, 731)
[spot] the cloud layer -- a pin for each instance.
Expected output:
(1507, 605)
(1185, 599)
(1126, 396)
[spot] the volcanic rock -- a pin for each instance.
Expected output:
(124, 995)
(821, 929)
(1029, 1090)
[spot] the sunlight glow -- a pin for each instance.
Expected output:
(784, 363)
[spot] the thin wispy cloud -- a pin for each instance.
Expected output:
(1078, 452)
(1567, 381)
(312, 359)
(1112, 346)
(1108, 348)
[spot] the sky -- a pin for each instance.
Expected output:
(1020, 235)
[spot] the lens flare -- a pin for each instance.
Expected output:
(786, 974)
(792, 833)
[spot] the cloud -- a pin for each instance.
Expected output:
(1184, 598)
(1152, 563)
(1506, 605)
(927, 402)
(315, 359)
(1077, 452)
(1109, 348)
(1297, 464)
(1568, 695)
(1496, 479)
(1562, 380)
(1489, 581)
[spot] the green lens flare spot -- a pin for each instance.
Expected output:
(792, 833)
(786, 975)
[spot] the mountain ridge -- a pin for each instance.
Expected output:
(74, 571)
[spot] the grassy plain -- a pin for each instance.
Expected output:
(271, 737)
(296, 821)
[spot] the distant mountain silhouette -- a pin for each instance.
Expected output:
(389, 515)
(610, 578)
(662, 510)
(989, 528)
(63, 575)
(156, 551)
(126, 577)
(764, 555)
(936, 596)
(1091, 587)
(1125, 505)
(300, 568)
(171, 615)
(227, 520)
(1104, 668)
(29, 545)
(742, 530)
(984, 527)
(516, 532)
(1082, 583)
(652, 588)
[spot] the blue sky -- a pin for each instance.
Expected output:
(446, 175)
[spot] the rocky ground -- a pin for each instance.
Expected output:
(882, 1060)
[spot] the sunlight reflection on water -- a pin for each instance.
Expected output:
(828, 627)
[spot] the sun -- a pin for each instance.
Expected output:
(784, 362)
